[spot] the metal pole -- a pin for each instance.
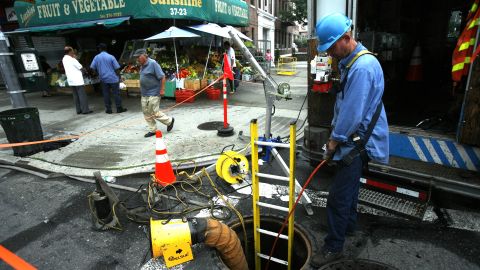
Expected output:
(310, 18)
(208, 57)
(269, 96)
(17, 97)
(461, 121)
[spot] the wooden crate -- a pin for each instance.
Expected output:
(132, 83)
(203, 83)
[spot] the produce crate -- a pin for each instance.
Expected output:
(132, 83)
(246, 77)
(186, 95)
(213, 94)
(170, 87)
(192, 84)
(203, 83)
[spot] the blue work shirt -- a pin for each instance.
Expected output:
(151, 75)
(355, 108)
(105, 65)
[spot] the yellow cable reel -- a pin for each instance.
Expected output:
(232, 167)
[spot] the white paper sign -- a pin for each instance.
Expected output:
(30, 62)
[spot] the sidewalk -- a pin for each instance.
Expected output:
(114, 144)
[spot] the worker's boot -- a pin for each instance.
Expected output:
(325, 257)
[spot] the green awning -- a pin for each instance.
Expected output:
(112, 22)
(43, 13)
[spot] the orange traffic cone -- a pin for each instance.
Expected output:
(415, 70)
(163, 168)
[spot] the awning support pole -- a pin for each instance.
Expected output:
(10, 76)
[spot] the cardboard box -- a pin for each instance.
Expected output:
(193, 84)
(203, 83)
(132, 83)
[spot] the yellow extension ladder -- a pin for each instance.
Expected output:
(256, 195)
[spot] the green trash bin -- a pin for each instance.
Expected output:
(23, 125)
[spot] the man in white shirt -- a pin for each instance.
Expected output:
(231, 60)
(73, 71)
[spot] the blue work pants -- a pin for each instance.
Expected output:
(115, 89)
(342, 204)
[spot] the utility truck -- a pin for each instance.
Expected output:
(434, 122)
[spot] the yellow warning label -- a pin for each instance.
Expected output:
(177, 254)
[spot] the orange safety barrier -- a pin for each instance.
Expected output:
(163, 168)
(13, 260)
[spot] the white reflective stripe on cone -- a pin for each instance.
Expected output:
(224, 96)
(161, 158)
(160, 144)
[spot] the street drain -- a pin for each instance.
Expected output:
(301, 253)
(358, 264)
(210, 125)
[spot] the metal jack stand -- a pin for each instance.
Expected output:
(273, 91)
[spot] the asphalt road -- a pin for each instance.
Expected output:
(47, 222)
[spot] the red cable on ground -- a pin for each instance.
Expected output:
(293, 210)
(13, 260)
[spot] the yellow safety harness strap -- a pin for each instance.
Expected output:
(360, 53)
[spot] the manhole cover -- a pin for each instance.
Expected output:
(358, 264)
(210, 125)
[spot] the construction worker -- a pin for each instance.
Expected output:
(358, 111)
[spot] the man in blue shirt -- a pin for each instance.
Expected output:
(152, 83)
(107, 68)
(356, 103)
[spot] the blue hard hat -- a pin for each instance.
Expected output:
(330, 28)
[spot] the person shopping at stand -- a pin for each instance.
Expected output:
(107, 68)
(73, 71)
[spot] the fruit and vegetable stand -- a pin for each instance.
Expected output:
(192, 76)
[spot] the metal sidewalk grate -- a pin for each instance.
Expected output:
(392, 203)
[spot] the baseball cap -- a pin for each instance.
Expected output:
(139, 52)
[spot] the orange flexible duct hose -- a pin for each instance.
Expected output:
(225, 240)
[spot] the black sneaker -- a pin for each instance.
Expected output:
(108, 111)
(121, 109)
(149, 134)
(87, 112)
(325, 257)
(169, 127)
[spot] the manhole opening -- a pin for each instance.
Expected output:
(302, 250)
(210, 125)
(50, 146)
